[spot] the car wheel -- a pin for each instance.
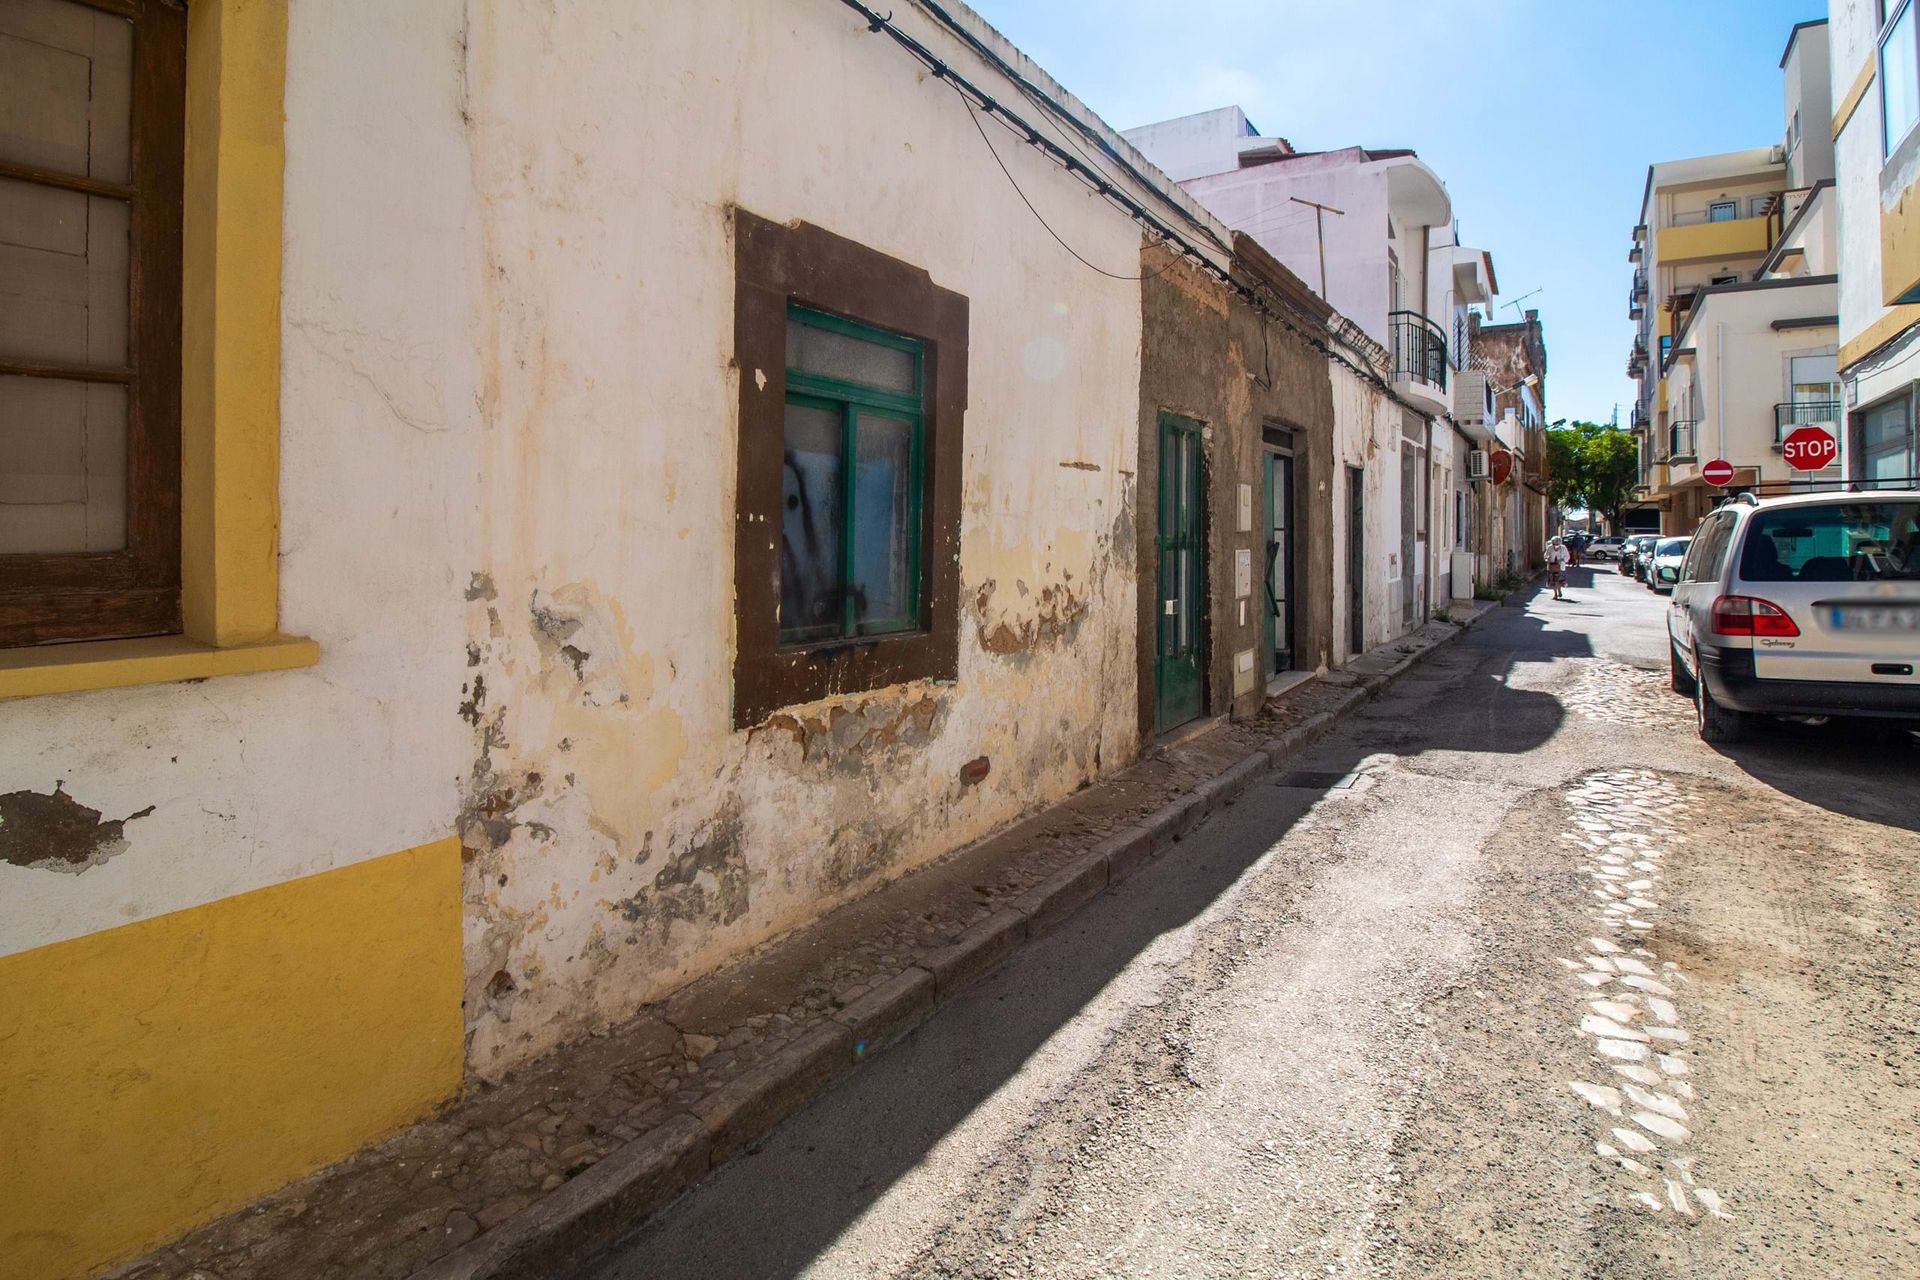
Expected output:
(1677, 678)
(1715, 722)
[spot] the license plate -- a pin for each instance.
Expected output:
(1875, 617)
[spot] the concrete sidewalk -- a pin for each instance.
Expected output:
(545, 1170)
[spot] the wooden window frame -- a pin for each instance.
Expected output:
(778, 266)
(52, 597)
(230, 380)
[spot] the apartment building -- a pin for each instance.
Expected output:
(1735, 291)
(1373, 233)
(1876, 149)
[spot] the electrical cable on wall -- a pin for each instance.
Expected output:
(1170, 237)
(1111, 275)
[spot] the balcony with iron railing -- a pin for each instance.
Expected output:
(1419, 349)
(1680, 441)
(1803, 413)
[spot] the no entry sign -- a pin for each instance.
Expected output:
(1809, 449)
(1718, 472)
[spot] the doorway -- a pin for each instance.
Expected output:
(1356, 561)
(1277, 481)
(1409, 534)
(1178, 665)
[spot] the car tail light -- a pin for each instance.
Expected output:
(1751, 616)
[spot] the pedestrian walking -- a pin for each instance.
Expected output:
(1557, 556)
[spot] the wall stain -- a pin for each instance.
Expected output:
(1055, 623)
(51, 831)
(706, 881)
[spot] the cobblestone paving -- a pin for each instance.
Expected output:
(1615, 693)
(1623, 821)
(395, 1207)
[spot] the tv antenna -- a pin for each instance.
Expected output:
(1522, 298)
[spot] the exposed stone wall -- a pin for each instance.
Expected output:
(1210, 356)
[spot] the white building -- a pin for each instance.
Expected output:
(1875, 68)
(1736, 288)
(1374, 233)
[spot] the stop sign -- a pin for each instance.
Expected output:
(1718, 472)
(1809, 449)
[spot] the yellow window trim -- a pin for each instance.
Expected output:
(1851, 103)
(113, 664)
(230, 378)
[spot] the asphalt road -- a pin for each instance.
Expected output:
(1511, 976)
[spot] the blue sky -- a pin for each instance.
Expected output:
(1541, 115)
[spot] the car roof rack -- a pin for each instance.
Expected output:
(1745, 496)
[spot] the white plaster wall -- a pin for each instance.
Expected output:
(509, 415)
(1259, 201)
(257, 779)
(1808, 90)
(648, 840)
(1740, 371)
(1857, 175)
(1367, 435)
(1196, 145)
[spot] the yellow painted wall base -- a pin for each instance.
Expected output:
(155, 1076)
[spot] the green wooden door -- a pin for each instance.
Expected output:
(1178, 668)
(1278, 615)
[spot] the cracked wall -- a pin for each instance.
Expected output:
(507, 471)
(620, 835)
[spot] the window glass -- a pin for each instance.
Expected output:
(65, 278)
(1885, 440)
(68, 71)
(850, 535)
(1899, 80)
(883, 524)
(810, 595)
(812, 348)
(1842, 542)
(1713, 562)
(1723, 210)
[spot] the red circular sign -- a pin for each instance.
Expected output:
(1501, 464)
(1809, 449)
(1718, 472)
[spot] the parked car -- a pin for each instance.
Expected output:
(1607, 548)
(1805, 606)
(1630, 557)
(1663, 565)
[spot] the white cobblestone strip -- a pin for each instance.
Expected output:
(1623, 825)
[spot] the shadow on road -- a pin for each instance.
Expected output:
(772, 1211)
(1846, 769)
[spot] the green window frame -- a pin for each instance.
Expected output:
(853, 401)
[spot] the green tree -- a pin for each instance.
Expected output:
(1592, 465)
(1563, 467)
(1610, 468)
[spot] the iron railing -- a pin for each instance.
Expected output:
(1680, 443)
(1788, 416)
(1419, 348)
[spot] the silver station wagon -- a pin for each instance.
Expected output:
(1805, 606)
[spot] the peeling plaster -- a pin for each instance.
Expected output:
(51, 831)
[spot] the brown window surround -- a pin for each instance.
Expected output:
(134, 590)
(776, 264)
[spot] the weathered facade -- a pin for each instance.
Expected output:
(1513, 359)
(1245, 377)
(485, 725)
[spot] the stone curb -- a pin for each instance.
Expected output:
(588, 1214)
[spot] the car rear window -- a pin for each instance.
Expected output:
(1838, 542)
(1672, 547)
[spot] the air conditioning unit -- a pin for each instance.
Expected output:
(1778, 155)
(1477, 465)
